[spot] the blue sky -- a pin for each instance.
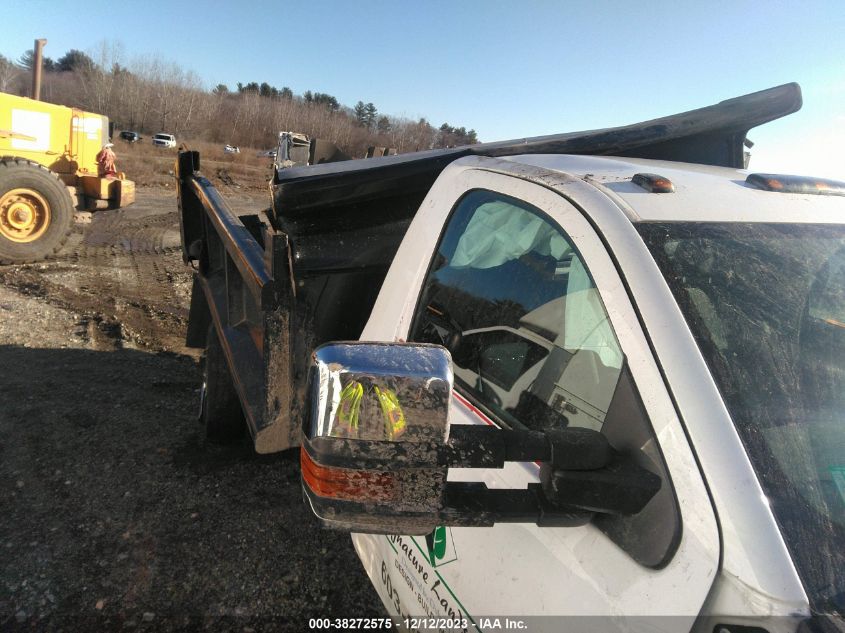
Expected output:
(506, 69)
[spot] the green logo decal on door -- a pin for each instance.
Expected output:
(441, 547)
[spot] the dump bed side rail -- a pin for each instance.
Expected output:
(243, 287)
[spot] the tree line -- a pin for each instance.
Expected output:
(149, 95)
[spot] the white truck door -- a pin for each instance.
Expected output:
(488, 250)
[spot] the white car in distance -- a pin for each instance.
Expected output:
(164, 140)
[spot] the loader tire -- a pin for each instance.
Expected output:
(36, 212)
(220, 409)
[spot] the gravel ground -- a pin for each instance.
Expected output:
(114, 513)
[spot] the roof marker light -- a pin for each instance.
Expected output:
(653, 183)
(796, 184)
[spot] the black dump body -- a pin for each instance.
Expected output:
(346, 220)
(344, 229)
(309, 270)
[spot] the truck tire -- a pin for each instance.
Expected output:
(36, 212)
(220, 409)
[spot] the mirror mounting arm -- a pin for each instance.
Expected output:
(580, 474)
(474, 446)
(470, 504)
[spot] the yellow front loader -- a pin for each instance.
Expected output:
(48, 171)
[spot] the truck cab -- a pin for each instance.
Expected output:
(703, 299)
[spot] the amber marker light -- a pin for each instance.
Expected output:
(345, 483)
(796, 184)
(653, 183)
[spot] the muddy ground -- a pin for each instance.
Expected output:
(114, 512)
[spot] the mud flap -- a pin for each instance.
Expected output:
(199, 317)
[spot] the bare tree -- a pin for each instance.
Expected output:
(149, 94)
(8, 73)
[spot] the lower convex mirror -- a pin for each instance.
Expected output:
(379, 414)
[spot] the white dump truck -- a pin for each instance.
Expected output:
(587, 382)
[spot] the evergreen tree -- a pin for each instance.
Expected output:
(25, 61)
(383, 125)
(360, 111)
(370, 113)
(75, 60)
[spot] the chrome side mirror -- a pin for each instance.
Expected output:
(378, 419)
(377, 447)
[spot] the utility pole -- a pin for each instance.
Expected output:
(36, 69)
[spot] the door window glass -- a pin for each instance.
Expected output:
(511, 298)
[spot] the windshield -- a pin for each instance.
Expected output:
(766, 304)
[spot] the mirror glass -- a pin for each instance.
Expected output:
(395, 392)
